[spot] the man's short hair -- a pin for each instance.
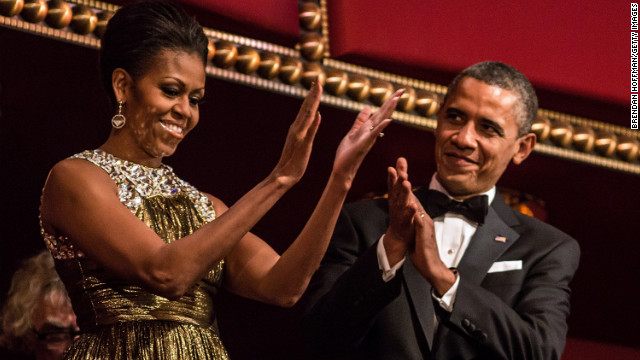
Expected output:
(509, 78)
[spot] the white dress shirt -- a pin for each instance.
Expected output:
(453, 234)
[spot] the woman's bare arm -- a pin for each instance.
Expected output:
(80, 201)
(256, 271)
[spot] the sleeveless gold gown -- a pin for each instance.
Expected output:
(122, 321)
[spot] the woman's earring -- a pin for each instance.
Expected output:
(118, 120)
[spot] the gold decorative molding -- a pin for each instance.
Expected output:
(290, 71)
(325, 27)
(58, 34)
(377, 74)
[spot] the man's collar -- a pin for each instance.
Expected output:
(435, 185)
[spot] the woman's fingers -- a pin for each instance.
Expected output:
(313, 128)
(376, 122)
(377, 129)
(297, 147)
(364, 115)
(387, 108)
(373, 120)
(309, 108)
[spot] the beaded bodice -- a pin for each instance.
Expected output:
(134, 182)
(173, 209)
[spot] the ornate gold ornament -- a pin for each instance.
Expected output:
(407, 100)
(269, 65)
(310, 16)
(311, 46)
(627, 148)
(380, 91)
(312, 72)
(584, 138)
(226, 54)
(211, 50)
(290, 71)
(605, 143)
(34, 11)
(84, 20)
(248, 60)
(541, 127)
(11, 7)
(59, 14)
(101, 26)
(358, 87)
(337, 82)
(561, 133)
(427, 103)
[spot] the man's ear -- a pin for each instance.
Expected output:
(525, 146)
(121, 82)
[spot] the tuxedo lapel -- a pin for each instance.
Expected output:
(482, 252)
(487, 243)
(419, 291)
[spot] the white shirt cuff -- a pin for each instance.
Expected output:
(447, 300)
(388, 272)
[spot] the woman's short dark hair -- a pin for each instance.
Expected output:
(138, 32)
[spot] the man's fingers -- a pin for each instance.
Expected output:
(415, 200)
(418, 220)
(402, 168)
(392, 177)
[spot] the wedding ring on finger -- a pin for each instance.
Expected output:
(370, 128)
(380, 134)
(421, 215)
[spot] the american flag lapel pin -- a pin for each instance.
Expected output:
(500, 239)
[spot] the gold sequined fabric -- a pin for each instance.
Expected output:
(122, 321)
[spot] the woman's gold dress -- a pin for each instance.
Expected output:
(122, 321)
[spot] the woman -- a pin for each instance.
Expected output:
(37, 318)
(141, 276)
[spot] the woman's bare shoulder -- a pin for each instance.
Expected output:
(78, 174)
(72, 181)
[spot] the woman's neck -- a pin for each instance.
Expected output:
(131, 152)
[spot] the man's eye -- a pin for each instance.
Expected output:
(454, 117)
(488, 128)
(491, 129)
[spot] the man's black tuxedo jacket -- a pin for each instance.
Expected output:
(517, 314)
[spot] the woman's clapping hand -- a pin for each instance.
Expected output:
(361, 137)
(297, 148)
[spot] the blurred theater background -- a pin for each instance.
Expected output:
(584, 177)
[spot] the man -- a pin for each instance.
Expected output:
(402, 282)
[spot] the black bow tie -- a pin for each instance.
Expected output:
(474, 208)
